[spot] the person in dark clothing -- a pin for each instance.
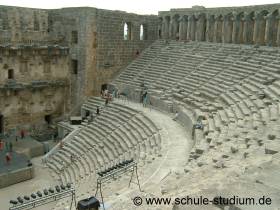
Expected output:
(29, 164)
(97, 111)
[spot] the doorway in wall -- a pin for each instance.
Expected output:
(104, 87)
(48, 119)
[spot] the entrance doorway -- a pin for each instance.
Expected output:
(104, 87)
(48, 119)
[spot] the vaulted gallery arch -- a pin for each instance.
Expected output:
(174, 27)
(200, 27)
(191, 27)
(271, 28)
(218, 28)
(228, 28)
(183, 27)
(259, 27)
(248, 30)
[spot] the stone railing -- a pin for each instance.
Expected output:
(69, 137)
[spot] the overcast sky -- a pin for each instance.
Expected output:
(136, 6)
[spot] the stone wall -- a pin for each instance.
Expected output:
(112, 51)
(16, 176)
(101, 51)
(245, 25)
(34, 83)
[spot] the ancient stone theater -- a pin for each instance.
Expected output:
(104, 109)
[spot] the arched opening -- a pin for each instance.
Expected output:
(249, 24)
(143, 32)
(201, 27)
(127, 31)
(218, 28)
(48, 119)
(174, 30)
(183, 27)
(210, 29)
(261, 28)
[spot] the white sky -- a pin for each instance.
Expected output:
(136, 6)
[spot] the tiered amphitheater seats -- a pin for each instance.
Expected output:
(118, 133)
(236, 88)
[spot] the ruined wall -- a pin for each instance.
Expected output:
(34, 67)
(242, 25)
(65, 22)
(113, 52)
(34, 82)
(101, 51)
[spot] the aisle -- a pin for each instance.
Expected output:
(175, 150)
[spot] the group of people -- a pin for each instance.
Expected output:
(7, 146)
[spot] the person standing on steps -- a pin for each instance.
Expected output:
(145, 98)
(176, 116)
(97, 111)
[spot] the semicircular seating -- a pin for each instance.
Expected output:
(235, 88)
(117, 134)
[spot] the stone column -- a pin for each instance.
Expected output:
(189, 27)
(170, 33)
(166, 27)
(269, 30)
(182, 28)
(162, 29)
(215, 29)
(208, 28)
(224, 28)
